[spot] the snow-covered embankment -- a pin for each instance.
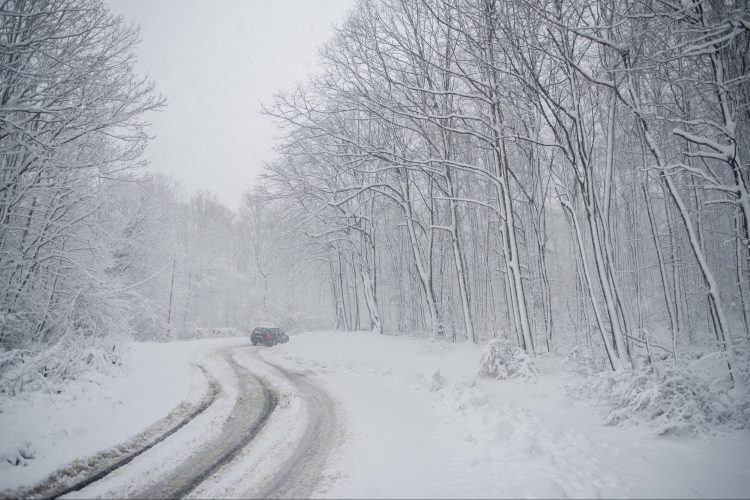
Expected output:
(420, 423)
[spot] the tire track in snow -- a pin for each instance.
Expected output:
(100, 465)
(302, 472)
(297, 477)
(245, 422)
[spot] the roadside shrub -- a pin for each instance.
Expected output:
(47, 368)
(691, 398)
(503, 360)
(583, 360)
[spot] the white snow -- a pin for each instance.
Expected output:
(159, 461)
(421, 424)
(418, 423)
(98, 412)
(270, 449)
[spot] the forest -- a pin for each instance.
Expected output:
(532, 169)
(560, 176)
(93, 249)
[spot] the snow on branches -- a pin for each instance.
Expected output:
(70, 124)
(502, 360)
(695, 397)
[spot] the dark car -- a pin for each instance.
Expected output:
(268, 335)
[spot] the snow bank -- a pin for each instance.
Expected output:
(41, 432)
(475, 437)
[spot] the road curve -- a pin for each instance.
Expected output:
(82, 473)
(301, 473)
(257, 396)
(255, 403)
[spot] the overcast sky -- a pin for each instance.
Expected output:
(215, 61)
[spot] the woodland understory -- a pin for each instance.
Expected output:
(568, 177)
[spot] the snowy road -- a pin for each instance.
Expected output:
(254, 405)
(291, 419)
(298, 477)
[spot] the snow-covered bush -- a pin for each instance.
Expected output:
(582, 360)
(47, 368)
(689, 398)
(503, 360)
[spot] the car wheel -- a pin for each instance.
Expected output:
(254, 342)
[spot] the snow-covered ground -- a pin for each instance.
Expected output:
(41, 432)
(417, 423)
(421, 424)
